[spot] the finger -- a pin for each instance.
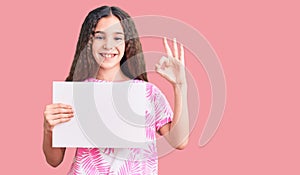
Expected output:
(58, 105)
(60, 111)
(167, 48)
(181, 58)
(159, 70)
(157, 66)
(58, 121)
(59, 116)
(175, 48)
(163, 60)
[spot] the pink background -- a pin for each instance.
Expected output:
(258, 46)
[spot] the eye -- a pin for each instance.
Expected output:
(99, 37)
(118, 38)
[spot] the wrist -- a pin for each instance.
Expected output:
(180, 87)
(180, 84)
(47, 131)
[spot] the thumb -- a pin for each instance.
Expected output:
(159, 70)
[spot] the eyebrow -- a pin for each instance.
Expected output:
(101, 32)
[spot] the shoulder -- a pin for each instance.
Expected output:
(153, 92)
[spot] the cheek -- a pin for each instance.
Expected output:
(122, 49)
(94, 53)
(95, 48)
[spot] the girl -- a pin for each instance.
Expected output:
(108, 50)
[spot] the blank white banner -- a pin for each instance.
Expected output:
(107, 114)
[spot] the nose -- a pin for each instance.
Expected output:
(109, 44)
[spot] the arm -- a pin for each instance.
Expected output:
(176, 132)
(54, 156)
(53, 115)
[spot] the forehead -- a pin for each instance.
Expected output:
(109, 24)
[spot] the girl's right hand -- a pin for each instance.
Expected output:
(55, 114)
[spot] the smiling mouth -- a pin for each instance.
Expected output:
(108, 55)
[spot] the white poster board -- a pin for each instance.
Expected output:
(107, 114)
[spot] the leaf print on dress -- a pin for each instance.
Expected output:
(150, 129)
(90, 161)
(131, 166)
(150, 155)
(163, 111)
(108, 151)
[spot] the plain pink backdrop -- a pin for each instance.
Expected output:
(258, 46)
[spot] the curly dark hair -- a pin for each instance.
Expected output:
(85, 66)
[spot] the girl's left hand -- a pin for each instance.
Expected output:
(172, 67)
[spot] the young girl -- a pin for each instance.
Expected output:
(109, 50)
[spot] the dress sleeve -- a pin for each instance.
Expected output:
(162, 109)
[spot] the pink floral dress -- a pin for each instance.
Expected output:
(128, 161)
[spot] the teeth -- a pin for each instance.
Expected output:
(107, 55)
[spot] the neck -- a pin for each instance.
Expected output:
(112, 74)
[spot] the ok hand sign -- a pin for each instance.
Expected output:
(172, 67)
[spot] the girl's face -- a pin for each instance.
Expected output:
(108, 42)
